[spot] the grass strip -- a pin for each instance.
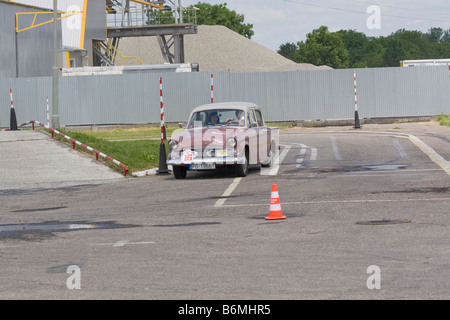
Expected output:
(133, 133)
(137, 155)
(444, 120)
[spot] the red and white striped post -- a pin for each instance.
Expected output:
(357, 124)
(12, 118)
(356, 96)
(212, 88)
(163, 127)
(48, 115)
(11, 97)
(162, 148)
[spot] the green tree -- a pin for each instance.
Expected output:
(413, 43)
(435, 35)
(288, 50)
(373, 57)
(446, 36)
(356, 44)
(323, 48)
(395, 52)
(219, 14)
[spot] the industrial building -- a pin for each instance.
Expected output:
(89, 32)
(26, 52)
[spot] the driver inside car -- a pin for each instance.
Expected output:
(213, 118)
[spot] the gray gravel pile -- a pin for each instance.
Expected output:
(216, 48)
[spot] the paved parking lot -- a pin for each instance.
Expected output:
(354, 199)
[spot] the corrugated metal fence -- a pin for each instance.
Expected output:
(283, 96)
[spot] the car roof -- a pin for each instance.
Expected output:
(226, 105)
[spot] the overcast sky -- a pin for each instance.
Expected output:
(279, 21)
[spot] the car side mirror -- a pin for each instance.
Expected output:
(180, 124)
(254, 124)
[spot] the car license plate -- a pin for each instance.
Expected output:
(202, 166)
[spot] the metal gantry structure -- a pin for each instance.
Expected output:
(165, 19)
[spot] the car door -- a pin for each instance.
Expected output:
(255, 129)
(264, 137)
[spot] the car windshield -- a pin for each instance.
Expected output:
(217, 117)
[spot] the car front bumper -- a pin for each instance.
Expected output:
(218, 162)
(199, 158)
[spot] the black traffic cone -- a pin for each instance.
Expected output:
(163, 169)
(357, 124)
(13, 121)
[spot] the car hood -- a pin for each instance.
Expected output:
(215, 137)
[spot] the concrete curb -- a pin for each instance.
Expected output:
(148, 172)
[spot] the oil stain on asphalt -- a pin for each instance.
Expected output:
(24, 230)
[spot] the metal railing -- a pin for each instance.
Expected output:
(150, 16)
(115, 56)
(34, 23)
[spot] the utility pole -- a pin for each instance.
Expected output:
(55, 109)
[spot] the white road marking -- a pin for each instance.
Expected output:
(227, 192)
(142, 242)
(81, 226)
(302, 149)
(403, 172)
(336, 152)
(385, 174)
(273, 170)
(313, 154)
(122, 243)
(301, 155)
(399, 148)
(433, 155)
(338, 201)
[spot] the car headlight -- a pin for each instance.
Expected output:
(231, 142)
(173, 144)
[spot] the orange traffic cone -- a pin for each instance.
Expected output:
(275, 206)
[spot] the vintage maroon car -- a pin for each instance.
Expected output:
(223, 134)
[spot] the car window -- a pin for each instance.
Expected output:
(198, 116)
(218, 117)
(259, 118)
(227, 116)
(250, 118)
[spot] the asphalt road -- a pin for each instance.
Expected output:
(353, 199)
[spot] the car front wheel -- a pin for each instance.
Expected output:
(242, 169)
(179, 172)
